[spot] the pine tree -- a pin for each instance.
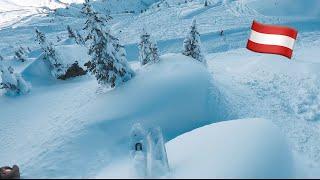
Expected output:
(122, 57)
(192, 44)
(71, 33)
(75, 35)
(50, 55)
(206, 3)
(94, 20)
(154, 52)
(148, 50)
(1, 58)
(20, 54)
(80, 39)
(107, 63)
(12, 82)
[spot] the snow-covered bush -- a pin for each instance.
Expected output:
(148, 50)
(192, 44)
(50, 55)
(107, 63)
(13, 83)
(20, 54)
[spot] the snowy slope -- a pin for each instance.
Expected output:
(13, 11)
(68, 121)
(244, 148)
(296, 8)
(62, 125)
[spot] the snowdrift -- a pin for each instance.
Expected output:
(248, 148)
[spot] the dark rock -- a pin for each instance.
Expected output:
(10, 173)
(73, 71)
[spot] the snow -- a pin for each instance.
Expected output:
(63, 126)
(13, 11)
(70, 115)
(244, 148)
(294, 8)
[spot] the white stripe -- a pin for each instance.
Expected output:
(272, 39)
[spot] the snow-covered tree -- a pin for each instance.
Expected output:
(106, 63)
(12, 82)
(75, 35)
(71, 33)
(79, 39)
(1, 58)
(94, 20)
(50, 55)
(154, 52)
(59, 39)
(148, 50)
(192, 44)
(20, 54)
(122, 56)
(205, 3)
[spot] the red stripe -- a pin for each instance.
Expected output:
(271, 49)
(273, 29)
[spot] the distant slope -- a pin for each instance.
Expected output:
(13, 11)
(299, 8)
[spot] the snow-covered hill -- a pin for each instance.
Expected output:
(222, 150)
(74, 129)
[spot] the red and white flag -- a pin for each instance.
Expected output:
(272, 39)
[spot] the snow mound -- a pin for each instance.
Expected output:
(248, 148)
(39, 69)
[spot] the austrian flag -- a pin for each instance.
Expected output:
(272, 39)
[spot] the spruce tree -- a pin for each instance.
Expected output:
(192, 44)
(20, 54)
(80, 39)
(107, 63)
(71, 33)
(148, 50)
(50, 55)
(75, 35)
(206, 3)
